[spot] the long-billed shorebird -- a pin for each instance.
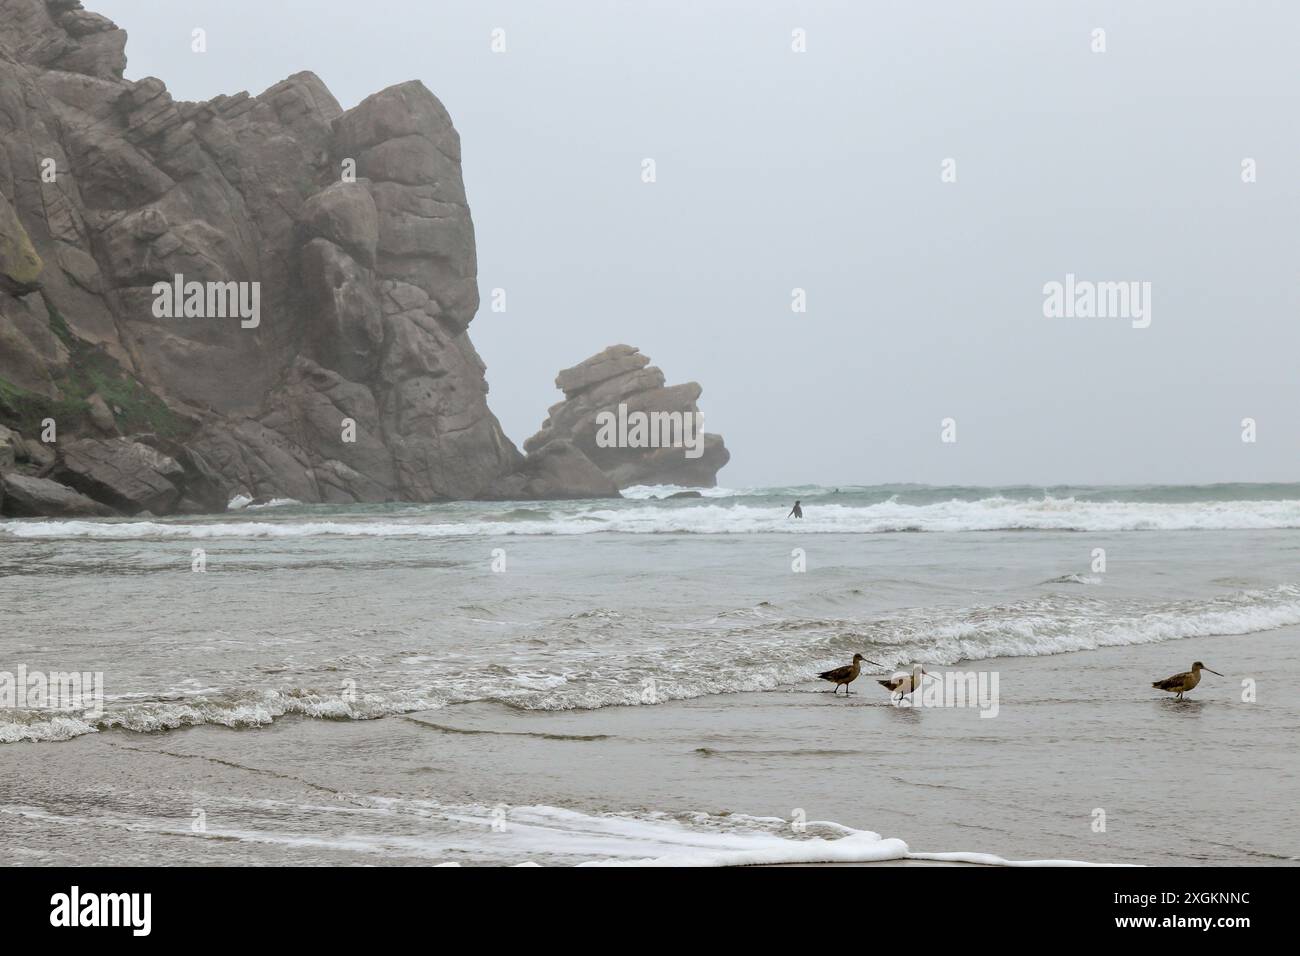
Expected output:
(906, 683)
(1180, 684)
(846, 675)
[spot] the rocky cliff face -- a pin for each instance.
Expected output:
(356, 382)
(261, 295)
(619, 413)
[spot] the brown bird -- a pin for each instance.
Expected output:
(846, 675)
(906, 683)
(1180, 684)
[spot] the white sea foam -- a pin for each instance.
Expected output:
(241, 710)
(26, 726)
(241, 502)
(540, 835)
(698, 517)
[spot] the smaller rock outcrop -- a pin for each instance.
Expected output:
(620, 414)
(22, 496)
(12, 447)
(23, 455)
(145, 474)
(557, 470)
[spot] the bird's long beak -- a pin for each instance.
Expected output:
(873, 662)
(1212, 672)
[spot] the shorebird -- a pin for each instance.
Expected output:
(1180, 684)
(905, 684)
(847, 674)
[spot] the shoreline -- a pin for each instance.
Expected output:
(1076, 732)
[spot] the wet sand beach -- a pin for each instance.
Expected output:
(718, 779)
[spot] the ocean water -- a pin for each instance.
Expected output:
(358, 619)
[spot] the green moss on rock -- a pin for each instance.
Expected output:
(90, 370)
(19, 263)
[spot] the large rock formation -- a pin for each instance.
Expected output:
(358, 382)
(347, 237)
(612, 395)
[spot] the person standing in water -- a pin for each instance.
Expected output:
(796, 511)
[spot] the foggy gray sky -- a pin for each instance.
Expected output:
(822, 170)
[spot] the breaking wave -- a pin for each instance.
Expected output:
(709, 515)
(762, 650)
